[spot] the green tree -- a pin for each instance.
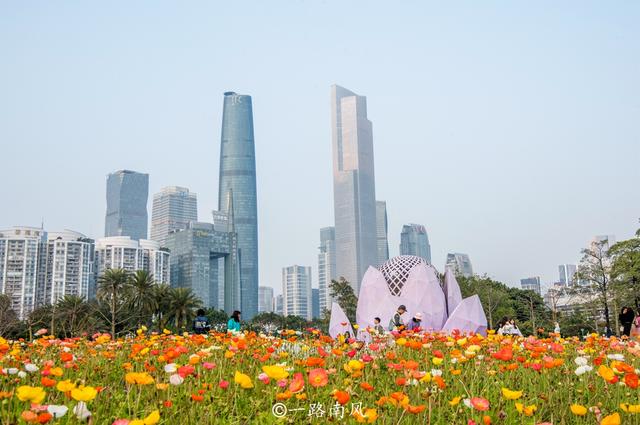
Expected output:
(141, 295)
(8, 318)
(162, 305)
(595, 268)
(112, 287)
(494, 296)
(182, 303)
(75, 316)
(625, 268)
(342, 293)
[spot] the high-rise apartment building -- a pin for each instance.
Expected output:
(296, 289)
(173, 208)
(326, 266)
(21, 266)
(414, 240)
(123, 252)
(265, 299)
(382, 230)
(353, 186)
(127, 194)
(238, 183)
(69, 267)
(460, 264)
(567, 274)
(531, 284)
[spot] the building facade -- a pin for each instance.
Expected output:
(354, 198)
(382, 230)
(460, 264)
(414, 240)
(279, 304)
(265, 299)
(173, 208)
(21, 266)
(238, 183)
(567, 274)
(531, 284)
(204, 258)
(315, 303)
(296, 290)
(123, 252)
(69, 267)
(326, 266)
(127, 195)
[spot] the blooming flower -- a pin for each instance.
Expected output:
(65, 386)
(176, 379)
(480, 403)
(297, 383)
(31, 394)
(511, 395)
(57, 411)
(243, 380)
(318, 377)
(613, 419)
(83, 393)
(578, 410)
(630, 408)
(527, 410)
(275, 372)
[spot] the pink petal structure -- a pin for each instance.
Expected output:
(412, 282)
(339, 322)
(451, 290)
(468, 317)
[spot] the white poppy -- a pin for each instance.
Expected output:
(57, 410)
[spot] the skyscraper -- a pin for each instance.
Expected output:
(21, 271)
(200, 254)
(414, 240)
(382, 232)
(296, 289)
(326, 266)
(460, 264)
(173, 208)
(354, 194)
(265, 299)
(127, 194)
(237, 183)
(567, 273)
(531, 284)
(315, 303)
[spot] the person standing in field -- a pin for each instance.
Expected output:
(233, 325)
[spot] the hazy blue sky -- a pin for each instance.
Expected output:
(510, 129)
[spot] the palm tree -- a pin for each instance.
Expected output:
(140, 296)
(183, 302)
(162, 303)
(111, 287)
(74, 315)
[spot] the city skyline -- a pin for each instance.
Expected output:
(534, 96)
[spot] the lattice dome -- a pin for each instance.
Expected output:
(396, 271)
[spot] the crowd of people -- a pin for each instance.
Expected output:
(628, 319)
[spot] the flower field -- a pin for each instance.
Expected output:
(308, 378)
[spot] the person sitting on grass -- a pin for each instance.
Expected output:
(201, 323)
(415, 323)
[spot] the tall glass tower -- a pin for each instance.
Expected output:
(354, 192)
(238, 184)
(127, 194)
(414, 240)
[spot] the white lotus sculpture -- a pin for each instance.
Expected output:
(410, 281)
